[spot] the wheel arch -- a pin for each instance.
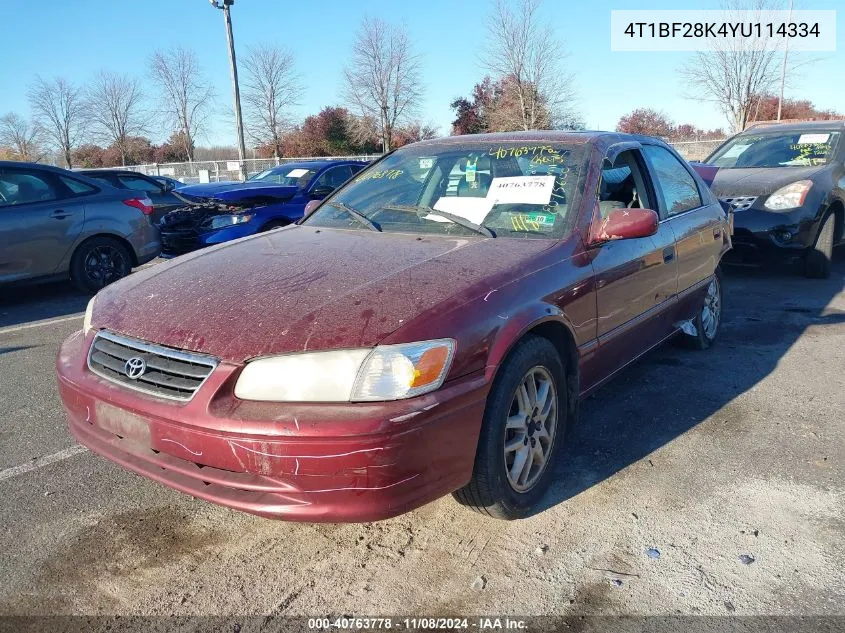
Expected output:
(555, 329)
(118, 238)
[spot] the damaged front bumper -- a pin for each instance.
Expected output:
(761, 235)
(188, 229)
(294, 461)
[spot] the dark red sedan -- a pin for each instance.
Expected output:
(429, 328)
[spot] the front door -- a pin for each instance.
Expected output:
(636, 279)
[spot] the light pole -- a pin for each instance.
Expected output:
(227, 18)
(783, 66)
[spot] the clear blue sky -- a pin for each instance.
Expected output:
(75, 38)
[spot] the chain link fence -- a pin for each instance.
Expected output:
(200, 171)
(696, 150)
(220, 170)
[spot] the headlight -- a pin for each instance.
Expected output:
(388, 372)
(789, 197)
(219, 221)
(86, 322)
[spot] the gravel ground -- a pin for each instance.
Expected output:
(696, 483)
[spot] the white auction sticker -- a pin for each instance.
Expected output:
(806, 139)
(297, 173)
(473, 209)
(521, 190)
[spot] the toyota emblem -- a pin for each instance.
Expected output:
(135, 367)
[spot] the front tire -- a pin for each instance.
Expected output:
(820, 255)
(523, 427)
(709, 319)
(99, 261)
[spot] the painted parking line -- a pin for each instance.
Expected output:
(17, 328)
(41, 462)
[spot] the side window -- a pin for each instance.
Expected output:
(334, 177)
(77, 187)
(622, 185)
(139, 184)
(677, 189)
(25, 187)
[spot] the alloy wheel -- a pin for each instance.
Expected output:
(712, 310)
(530, 429)
(104, 264)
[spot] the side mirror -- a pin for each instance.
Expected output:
(310, 208)
(623, 224)
(320, 192)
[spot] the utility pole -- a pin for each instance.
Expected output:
(783, 66)
(227, 18)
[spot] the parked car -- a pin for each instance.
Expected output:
(165, 198)
(167, 181)
(230, 210)
(786, 184)
(431, 327)
(55, 223)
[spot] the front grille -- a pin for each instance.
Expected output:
(168, 373)
(740, 203)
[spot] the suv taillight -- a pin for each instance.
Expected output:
(145, 205)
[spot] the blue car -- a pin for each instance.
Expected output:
(223, 211)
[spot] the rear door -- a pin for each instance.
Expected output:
(636, 279)
(40, 217)
(695, 216)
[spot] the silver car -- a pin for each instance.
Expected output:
(55, 223)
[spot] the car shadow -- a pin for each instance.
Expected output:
(23, 304)
(671, 390)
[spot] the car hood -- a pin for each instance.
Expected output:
(238, 191)
(302, 288)
(757, 181)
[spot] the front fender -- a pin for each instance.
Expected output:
(517, 326)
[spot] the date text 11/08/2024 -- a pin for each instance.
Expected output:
(419, 623)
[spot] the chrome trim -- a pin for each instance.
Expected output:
(159, 350)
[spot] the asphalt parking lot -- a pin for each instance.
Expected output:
(729, 464)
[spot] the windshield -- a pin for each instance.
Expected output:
(514, 189)
(790, 149)
(286, 176)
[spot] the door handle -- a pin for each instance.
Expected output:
(717, 233)
(59, 214)
(668, 254)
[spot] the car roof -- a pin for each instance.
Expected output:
(793, 126)
(585, 137)
(316, 164)
(98, 172)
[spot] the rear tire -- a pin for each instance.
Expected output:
(99, 261)
(708, 320)
(519, 425)
(820, 255)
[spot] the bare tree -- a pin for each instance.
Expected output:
(184, 93)
(21, 136)
(527, 59)
(271, 87)
(59, 110)
(383, 77)
(115, 106)
(735, 74)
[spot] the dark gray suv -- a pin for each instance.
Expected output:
(55, 223)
